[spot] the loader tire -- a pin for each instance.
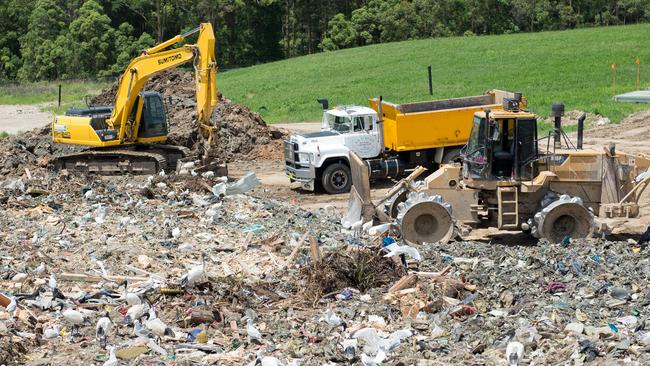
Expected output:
(337, 178)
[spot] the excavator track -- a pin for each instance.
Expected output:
(135, 159)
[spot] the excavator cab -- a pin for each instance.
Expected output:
(153, 122)
(501, 146)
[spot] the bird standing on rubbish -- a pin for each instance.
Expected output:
(645, 238)
(514, 353)
(194, 275)
(131, 297)
(112, 358)
(103, 327)
(136, 312)
(158, 327)
(254, 335)
(140, 330)
(75, 318)
(396, 249)
(12, 308)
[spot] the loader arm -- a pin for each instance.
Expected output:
(158, 59)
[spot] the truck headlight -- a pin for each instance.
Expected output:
(303, 157)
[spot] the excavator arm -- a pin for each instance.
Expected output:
(158, 59)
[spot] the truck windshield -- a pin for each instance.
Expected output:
(339, 124)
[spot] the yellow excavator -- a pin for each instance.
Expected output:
(128, 137)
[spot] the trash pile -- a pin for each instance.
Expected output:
(242, 133)
(199, 270)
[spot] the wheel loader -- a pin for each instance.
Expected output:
(510, 179)
(128, 137)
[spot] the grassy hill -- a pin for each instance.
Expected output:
(569, 66)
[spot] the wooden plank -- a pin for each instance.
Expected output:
(315, 250)
(404, 282)
(80, 277)
(294, 252)
(360, 177)
(4, 300)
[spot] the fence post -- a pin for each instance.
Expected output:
(638, 72)
(59, 95)
(613, 79)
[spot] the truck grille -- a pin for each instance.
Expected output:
(290, 152)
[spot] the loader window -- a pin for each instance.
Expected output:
(476, 143)
(475, 159)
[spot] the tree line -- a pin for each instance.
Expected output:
(59, 39)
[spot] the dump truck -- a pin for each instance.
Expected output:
(510, 180)
(391, 138)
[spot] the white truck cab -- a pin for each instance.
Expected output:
(323, 156)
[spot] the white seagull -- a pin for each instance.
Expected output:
(253, 334)
(12, 308)
(112, 359)
(196, 274)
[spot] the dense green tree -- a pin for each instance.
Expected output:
(91, 37)
(48, 39)
(39, 46)
(341, 33)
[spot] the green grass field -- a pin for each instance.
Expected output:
(569, 66)
(46, 93)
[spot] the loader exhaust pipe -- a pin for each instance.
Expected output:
(581, 128)
(558, 112)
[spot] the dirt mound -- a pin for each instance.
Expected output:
(34, 148)
(636, 127)
(570, 118)
(242, 134)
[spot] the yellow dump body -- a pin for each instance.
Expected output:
(434, 124)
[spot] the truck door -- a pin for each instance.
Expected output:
(363, 137)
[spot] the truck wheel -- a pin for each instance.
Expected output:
(337, 178)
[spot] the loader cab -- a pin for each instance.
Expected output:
(153, 122)
(501, 146)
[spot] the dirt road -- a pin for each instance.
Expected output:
(19, 118)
